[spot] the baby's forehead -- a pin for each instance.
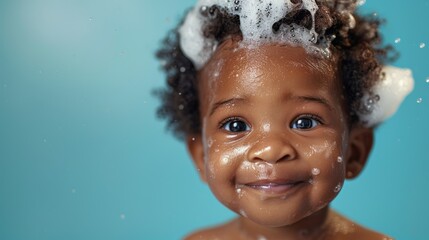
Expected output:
(268, 71)
(232, 55)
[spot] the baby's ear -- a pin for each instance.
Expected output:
(360, 144)
(196, 150)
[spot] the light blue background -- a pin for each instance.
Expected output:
(82, 155)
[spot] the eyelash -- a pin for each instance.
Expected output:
(315, 117)
(225, 121)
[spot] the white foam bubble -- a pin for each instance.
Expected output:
(257, 18)
(391, 91)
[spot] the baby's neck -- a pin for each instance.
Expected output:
(311, 227)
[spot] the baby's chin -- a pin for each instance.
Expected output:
(277, 219)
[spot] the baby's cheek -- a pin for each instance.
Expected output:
(222, 167)
(327, 170)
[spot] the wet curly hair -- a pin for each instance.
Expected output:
(359, 51)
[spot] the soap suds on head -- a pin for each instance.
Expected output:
(257, 18)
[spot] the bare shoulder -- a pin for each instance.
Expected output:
(343, 228)
(224, 231)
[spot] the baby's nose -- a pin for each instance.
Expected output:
(273, 148)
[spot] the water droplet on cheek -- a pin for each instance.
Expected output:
(266, 127)
(340, 159)
(337, 188)
(243, 213)
(225, 160)
(315, 171)
(262, 238)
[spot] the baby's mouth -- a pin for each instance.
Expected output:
(273, 186)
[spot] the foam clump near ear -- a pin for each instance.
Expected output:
(387, 95)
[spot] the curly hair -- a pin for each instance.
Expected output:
(360, 60)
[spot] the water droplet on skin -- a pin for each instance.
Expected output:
(419, 100)
(398, 40)
(340, 159)
(262, 238)
(337, 188)
(266, 127)
(193, 139)
(422, 45)
(315, 171)
(243, 213)
(225, 160)
(122, 216)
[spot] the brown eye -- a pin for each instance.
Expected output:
(305, 123)
(236, 125)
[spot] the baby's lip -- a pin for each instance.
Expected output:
(272, 182)
(274, 185)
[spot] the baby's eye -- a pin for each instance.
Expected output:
(305, 123)
(235, 125)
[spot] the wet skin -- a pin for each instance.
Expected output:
(275, 145)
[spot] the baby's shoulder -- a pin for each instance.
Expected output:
(224, 231)
(349, 230)
(362, 233)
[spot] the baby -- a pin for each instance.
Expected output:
(277, 101)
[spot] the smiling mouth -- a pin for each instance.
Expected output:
(276, 187)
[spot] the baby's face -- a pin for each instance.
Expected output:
(274, 132)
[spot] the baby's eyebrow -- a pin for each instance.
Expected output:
(228, 101)
(320, 100)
